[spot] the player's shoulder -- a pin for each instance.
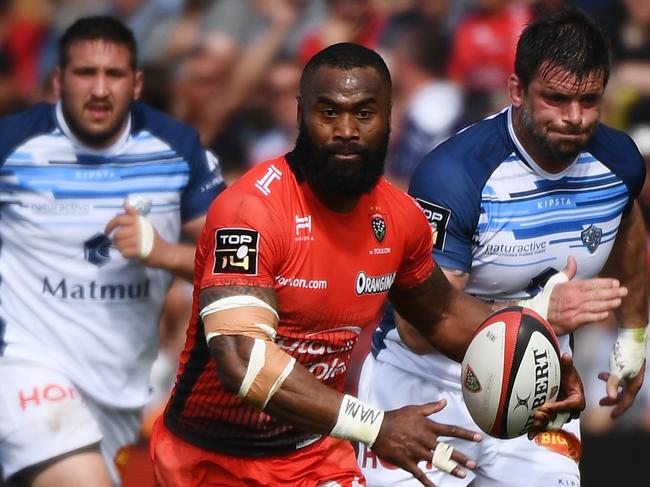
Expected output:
(613, 147)
(262, 188)
(466, 159)
(617, 151)
(180, 136)
(21, 126)
(403, 207)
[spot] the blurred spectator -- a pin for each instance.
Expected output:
(179, 33)
(281, 88)
(213, 83)
(628, 25)
(199, 80)
(23, 32)
(142, 15)
(244, 19)
(427, 108)
(483, 53)
(440, 15)
(346, 21)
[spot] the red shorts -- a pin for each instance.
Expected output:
(327, 463)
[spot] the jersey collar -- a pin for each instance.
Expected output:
(553, 176)
(111, 149)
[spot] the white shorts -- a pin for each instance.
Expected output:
(501, 463)
(43, 416)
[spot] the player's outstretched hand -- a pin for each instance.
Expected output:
(621, 393)
(570, 401)
(578, 302)
(408, 437)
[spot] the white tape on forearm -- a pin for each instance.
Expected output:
(559, 421)
(442, 458)
(146, 237)
(255, 364)
(539, 303)
(628, 355)
(357, 421)
(280, 380)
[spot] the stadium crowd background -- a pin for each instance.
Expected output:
(231, 69)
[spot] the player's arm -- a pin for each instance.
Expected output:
(409, 334)
(566, 303)
(177, 258)
(445, 316)
(137, 238)
(240, 324)
(627, 262)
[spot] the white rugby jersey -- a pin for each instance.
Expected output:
(68, 299)
(501, 218)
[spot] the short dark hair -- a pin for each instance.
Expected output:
(567, 39)
(98, 27)
(345, 55)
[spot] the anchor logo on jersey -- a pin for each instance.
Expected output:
(378, 226)
(471, 381)
(96, 249)
(591, 238)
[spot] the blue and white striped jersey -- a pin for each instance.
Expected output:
(68, 299)
(508, 223)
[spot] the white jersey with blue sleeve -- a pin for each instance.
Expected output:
(501, 218)
(68, 299)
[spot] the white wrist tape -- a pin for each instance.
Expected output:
(539, 303)
(146, 237)
(628, 355)
(442, 458)
(357, 421)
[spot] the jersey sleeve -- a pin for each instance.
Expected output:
(619, 152)
(205, 181)
(451, 203)
(241, 242)
(204, 184)
(417, 264)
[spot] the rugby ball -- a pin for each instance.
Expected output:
(512, 367)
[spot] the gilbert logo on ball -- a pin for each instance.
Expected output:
(512, 367)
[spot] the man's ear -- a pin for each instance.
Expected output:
(57, 81)
(139, 83)
(299, 110)
(515, 90)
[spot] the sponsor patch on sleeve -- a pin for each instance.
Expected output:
(236, 251)
(438, 217)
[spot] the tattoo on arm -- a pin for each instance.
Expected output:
(211, 294)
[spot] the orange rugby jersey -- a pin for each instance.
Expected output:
(331, 273)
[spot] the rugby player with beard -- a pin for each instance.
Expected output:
(296, 258)
(85, 273)
(515, 197)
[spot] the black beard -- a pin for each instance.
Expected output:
(322, 171)
(554, 152)
(91, 139)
